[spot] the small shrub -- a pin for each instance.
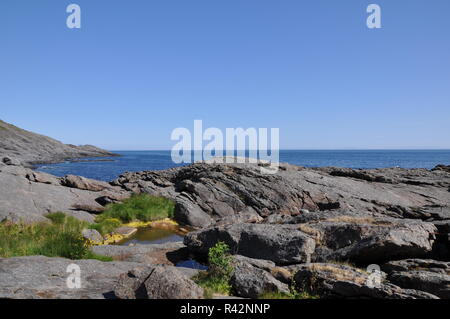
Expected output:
(217, 278)
(141, 207)
(220, 260)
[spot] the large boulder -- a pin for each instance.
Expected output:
(249, 281)
(282, 244)
(427, 275)
(365, 239)
(341, 281)
(157, 282)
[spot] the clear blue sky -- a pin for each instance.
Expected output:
(138, 69)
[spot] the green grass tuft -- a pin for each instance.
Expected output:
(141, 207)
(59, 238)
(106, 226)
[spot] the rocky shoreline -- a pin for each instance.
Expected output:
(323, 231)
(316, 229)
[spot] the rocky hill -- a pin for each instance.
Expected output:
(28, 148)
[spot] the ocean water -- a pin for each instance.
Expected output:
(131, 161)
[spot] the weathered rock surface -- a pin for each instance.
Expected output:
(169, 253)
(21, 147)
(282, 244)
(333, 236)
(364, 239)
(156, 282)
(426, 275)
(340, 281)
(39, 277)
(28, 196)
(250, 281)
(210, 193)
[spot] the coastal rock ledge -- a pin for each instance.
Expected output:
(284, 230)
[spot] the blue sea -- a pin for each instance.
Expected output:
(131, 161)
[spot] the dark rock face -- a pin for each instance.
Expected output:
(20, 147)
(217, 193)
(445, 168)
(425, 275)
(156, 282)
(282, 244)
(363, 240)
(340, 281)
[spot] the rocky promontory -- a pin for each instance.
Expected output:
(19, 146)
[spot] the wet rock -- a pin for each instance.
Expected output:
(340, 281)
(282, 244)
(421, 274)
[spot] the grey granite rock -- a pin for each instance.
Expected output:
(39, 277)
(282, 244)
(422, 274)
(341, 281)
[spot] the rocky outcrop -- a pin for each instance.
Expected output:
(208, 194)
(156, 282)
(250, 281)
(363, 239)
(341, 281)
(28, 196)
(21, 147)
(283, 244)
(39, 277)
(426, 275)
(169, 253)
